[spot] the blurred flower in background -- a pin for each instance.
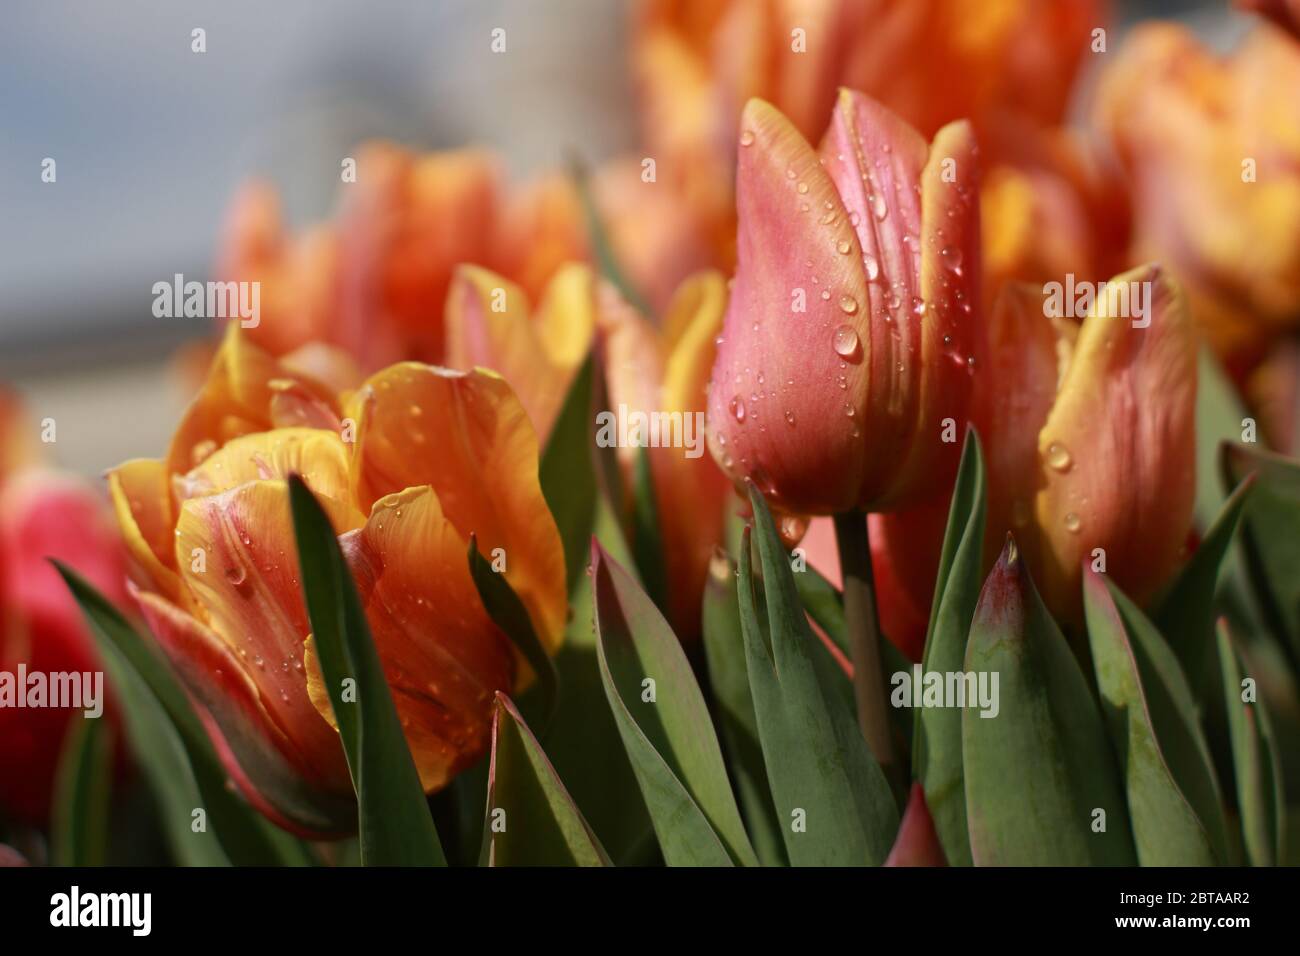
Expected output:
(44, 514)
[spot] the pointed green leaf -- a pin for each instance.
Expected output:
(567, 474)
(509, 614)
(79, 830)
(724, 648)
(647, 543)
(1186, 611)
(1272, 539)
(1165, 766)
(1260, 798)
(937, 739)
(393, 817)
(1041, 783)
(831, 797)
(531, 819)
(665, 725)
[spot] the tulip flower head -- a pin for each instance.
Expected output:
(407, 468)
(1090, 431)
(845, 364)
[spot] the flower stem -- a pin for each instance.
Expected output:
(851, 539)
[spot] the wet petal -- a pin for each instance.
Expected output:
(441, 653)
(143, 506)
(465, 435)
(1118, 451)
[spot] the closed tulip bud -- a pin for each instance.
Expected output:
(1092, 450)
(845, 365)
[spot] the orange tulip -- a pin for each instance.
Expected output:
(648, 368)
(666, 370)
(1090, 437)
(929, 61)
(844, 369)
(376, 279)
(407, 467)
(1212, 146)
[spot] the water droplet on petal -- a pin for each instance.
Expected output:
(738, 409)
(1058, 457)
(846, 341)
(747, 138)
(848, 304)
(1072, 523)
(843, 247)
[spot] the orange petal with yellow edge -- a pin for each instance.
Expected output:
(238, 559)
(466, 435)
(1118, 451)
(142, 504)
(442, 655)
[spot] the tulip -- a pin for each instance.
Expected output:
(44, 514)
(929, 61)
(407, 468)
(845, 365)
(1091, 453)
(666, 369)
(374, 281)
(844, 369)
(647, 367)
(1210, 146)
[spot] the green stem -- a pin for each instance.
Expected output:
(863, 622)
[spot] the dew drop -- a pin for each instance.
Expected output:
(872, 267)
(1058, 457)
(843, 247)
(848, 304)
(1072, 523)
(845, 341)
(747, 138)
(738, 409)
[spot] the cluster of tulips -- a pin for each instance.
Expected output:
(386, 598)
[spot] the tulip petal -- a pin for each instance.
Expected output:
(237, 555)
(243, 387)
(1023, 346)
(320, 457)
(443, 656)
(465, 435)
(143, 507)
(1118, 450)
(489, 325)
(309, 789)
(771, 415)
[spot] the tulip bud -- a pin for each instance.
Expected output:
(845, 365)
(1092, 453)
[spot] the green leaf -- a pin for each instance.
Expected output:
(509, 614)
(833, 801)
(825, 605)
(1219, 413)
(937, 739)
(393, 818)
(83, 786)
(246, 838)
(1272, 539)
(1186, 611)
(567, 473)
(1038, 772)
(668, 734)
(602, 248)
(1260, 797)
(531, 819)
(647, 543)
(724, 648)
(1165, 763)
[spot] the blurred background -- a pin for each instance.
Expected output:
(151, 141)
